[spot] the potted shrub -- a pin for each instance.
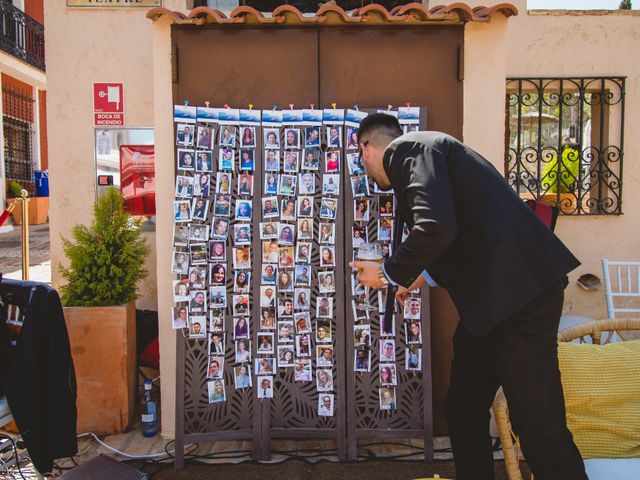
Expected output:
(559, 180)
(38, 206)
(105, 264)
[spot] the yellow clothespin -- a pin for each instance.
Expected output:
(251, 106)
(333, 105)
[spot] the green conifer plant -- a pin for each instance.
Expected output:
(106, 258)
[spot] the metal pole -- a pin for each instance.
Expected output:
(25, 234)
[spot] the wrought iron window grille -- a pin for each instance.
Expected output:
(18, 136)
(564, 142)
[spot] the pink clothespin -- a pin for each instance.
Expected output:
(207, 104)
(291, 106)
(389, 107)
(408, 104)
(226, 105)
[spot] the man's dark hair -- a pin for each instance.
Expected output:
(379, 124)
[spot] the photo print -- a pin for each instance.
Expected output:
(243, 350)
(303, 345)
(216, 391)
(285, 280)
(227, 136)
(303, 276)
(385, 229)
(413, 358)
(334, 136)
(265, 343)
(285, 331)
(271, 184)
(288, 185)
(311, 159)
(204, 161)
(241, 377)
(286, 257)
(361, 210)
(327, 256)
(327, 282)
(305, 207)
(303, 253)
(180, 235)
(386, 250)
(247, 137)
(288, 210)
(323, 331)
(271, 138)
(306, 184)
(216, 319)
(387, 398)
(240, 328)
(223, 183)
(197, 301)
(268, 317)
(198, 326)
(180, 317)
(242, 281)
(265, 366)
(226, 159)
(242, 258)
(413, 332)
(302, 370)
(270, 207)
(302, 322)
(198, 233)
(197, 277)
(245, 184)
(305, 229)
(268, 230)
(330, 184)
(352, 138)
(264, 386)
(216, 367)
(184, 135)
(362, 359)
(185, 160)
(268, 296)
(218, 296)
(216, 343)
(242, 234)
(292, 138)
(217, 251)
(270, 251)
(360, 186)
(272, 161)
(182, 211)
(327, 233)
(324, 307)
(301, 299)
(386, 205)
(328, 208)
(269, 273)
(362, 335)
(412, 308)
(312, 137)
(243, 209)
(184, 186)
(291, 159)
(247, 162)
(387, 375)
(285, 356)
(240, 305)
(180, 264)
(286, 234)
(354, 162)
(332, 161)
(324, 380)
(222, 205)
(324, 355)
(205, 137)
(180, 291)
(285, 307)
(359, 235)
(387, 350)
(200, 209)
(220, 228)
(202, 184)
(360, 312)
(388, 329)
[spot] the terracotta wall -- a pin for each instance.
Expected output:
(35, 9)
(9, 108)
(44, 148)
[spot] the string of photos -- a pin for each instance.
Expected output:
(217, 151)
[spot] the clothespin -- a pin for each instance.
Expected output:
(275, 107)
(355, 107)
(408, 104)
(251, 106)
(333, 105)
(186, 103)
(207, 104)
(291, 106)
(226, 105)
(389, 107)
(312, 105)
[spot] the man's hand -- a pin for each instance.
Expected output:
(401, 294)
(369, 274)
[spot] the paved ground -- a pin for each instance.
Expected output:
(39, 247)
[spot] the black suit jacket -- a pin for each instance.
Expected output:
(41, 389)
(469, 229)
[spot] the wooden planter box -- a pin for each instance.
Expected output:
(38, 211)
(103, 347)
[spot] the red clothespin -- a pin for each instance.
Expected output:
(408, 104)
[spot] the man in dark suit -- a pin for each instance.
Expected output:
(471, 234)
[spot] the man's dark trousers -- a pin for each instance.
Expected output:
(520, 354)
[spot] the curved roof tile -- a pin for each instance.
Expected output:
(411, 14)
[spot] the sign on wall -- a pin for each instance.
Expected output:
(114, 3)
(108, 104)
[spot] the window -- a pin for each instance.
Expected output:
(564, 141)
(18, 136)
